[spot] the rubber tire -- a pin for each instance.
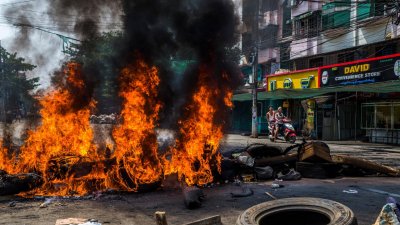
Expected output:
(338, 213)
(318, 170)
(292, 140)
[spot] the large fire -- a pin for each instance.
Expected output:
(196, 154)
(62, 150)
(135, 139)
(61, 142)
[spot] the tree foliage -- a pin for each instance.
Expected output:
(15, 87)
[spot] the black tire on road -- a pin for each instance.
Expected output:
(294, 211)
(318, 170)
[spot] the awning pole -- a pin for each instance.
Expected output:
(336, 123)
(355, 118)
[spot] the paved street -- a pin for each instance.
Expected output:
(385, 154)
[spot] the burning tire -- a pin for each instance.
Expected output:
(300, 211)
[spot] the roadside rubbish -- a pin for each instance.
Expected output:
(193, 196)
(12, 204)
(390, 214)
(303, 160)
(289, 175)
(246, 191)
(270, 195)
(264, 173)
(275, 185)
(350, 191)
(46, 203)
(246, 159)
(77, 221)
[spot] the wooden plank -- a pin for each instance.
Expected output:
(161, 219)
(366, 164)
(213, 220)
(315, 152)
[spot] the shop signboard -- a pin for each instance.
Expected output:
(366, 71)
(302, 79)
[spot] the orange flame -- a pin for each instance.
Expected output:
(7, 160)
(61, 149)
(196, 152)
(63, 140)
(136, 144)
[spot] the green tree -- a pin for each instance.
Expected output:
(98, 55)
(15, 87)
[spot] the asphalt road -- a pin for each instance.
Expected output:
(384, 154)
(368, 195)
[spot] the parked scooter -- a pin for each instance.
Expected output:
(286, 132)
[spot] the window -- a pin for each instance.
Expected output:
(286, 20)
(345, 57)
(370, 8)
(307, 25)
(316, 62)
(284, 51)
(396, 117)
(368, 116)
(383, 116)
(336, 14)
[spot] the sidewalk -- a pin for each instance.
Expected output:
(381, 153)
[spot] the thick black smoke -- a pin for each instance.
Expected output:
(159, 31)
(164, 30)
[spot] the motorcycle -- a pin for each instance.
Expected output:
(285, 133)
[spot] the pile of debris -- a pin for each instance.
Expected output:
(308, 159)
(104, 119)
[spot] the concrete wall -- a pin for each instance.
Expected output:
(306, 6)
(267, 54)
(304, 47)
(341, 38)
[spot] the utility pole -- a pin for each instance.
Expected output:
(2, 87)
(254, 126)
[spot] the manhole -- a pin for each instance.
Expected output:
(298, 217)
(298, 211)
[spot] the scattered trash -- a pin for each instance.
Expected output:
(244, 193)
(264, 173)
(12, 204)
(248, 178)
(290, 175)
(270, 195)
(193, 196)
(46, 203)
(388, 215)
(397, 209)
(77, 221)
(275, 185)
(350, 191)
(245, 159)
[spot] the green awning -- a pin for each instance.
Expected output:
(382, 87)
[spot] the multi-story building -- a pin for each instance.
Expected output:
(297, 35)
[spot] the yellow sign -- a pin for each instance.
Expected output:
(356, 68)
(294, 80)
(310, 114)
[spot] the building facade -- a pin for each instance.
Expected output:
(294, 37)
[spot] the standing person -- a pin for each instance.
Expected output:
(271, 117)
(278, 121)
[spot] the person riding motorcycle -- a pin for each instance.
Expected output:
(279, 116)
(271, 117)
